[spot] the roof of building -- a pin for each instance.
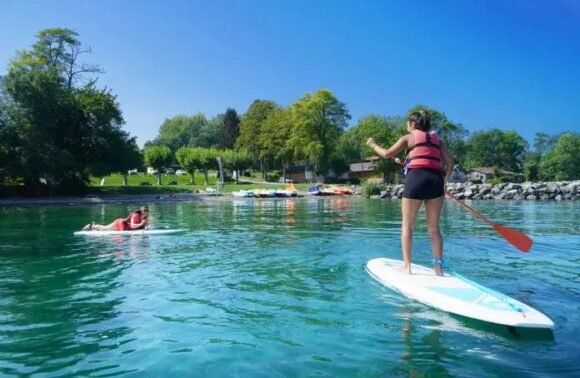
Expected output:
(364, 166)
(491, 170)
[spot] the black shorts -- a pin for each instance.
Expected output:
(424, 184)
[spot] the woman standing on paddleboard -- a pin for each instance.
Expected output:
(137, 220)
(424, 183)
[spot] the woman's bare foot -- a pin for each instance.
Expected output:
(88, 227)
(406, 268)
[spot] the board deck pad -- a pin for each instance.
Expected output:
(456, 294)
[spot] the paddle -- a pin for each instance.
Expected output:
(516, 238)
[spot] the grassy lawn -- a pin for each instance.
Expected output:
(145, 184)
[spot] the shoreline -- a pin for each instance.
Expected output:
(100, 199)
(526, 191)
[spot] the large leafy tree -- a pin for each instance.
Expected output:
(386, 131)
(274, 139)
(157, 157)
(61, 127)
(176, 132)
(563, 161)
(251, 125)
(496, 148)
(319, 119)
(183, 130)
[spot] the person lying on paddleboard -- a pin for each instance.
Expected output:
(137, 220)
(425, 180)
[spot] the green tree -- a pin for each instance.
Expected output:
(274, 139)
(496, 148)
(236, 161)
(207, 161)
(189, 158)
(251, 125)
(202, 159)
(251, 128)
(157, 157)
(563, 162)
(183, 130)
(386, 131)
(532, 166)
(175, 132)
(227, 129)
(59, 49)
(60, 132)
(542, 142)
(319, 119)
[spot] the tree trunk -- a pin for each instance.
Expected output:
(125, 180)
(158, 179)
(192, 173)
(206, 178)
(237, 176)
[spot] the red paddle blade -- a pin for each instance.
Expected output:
(516, 238)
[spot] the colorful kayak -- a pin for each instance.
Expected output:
(456, 294)
(159, 231)
(244, 193)
(320, 190)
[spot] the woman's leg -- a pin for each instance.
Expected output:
(108, 227)
(433, 210)
(409, 209)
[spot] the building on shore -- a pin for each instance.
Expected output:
(485, 173)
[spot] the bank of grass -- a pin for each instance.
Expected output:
(145, 184)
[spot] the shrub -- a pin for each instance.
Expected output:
(273, 177)
(371, 188)
(145, 183)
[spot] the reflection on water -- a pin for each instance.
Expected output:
(424, 354)
(275, 287)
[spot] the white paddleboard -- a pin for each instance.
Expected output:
(160, 231)
(456, 295)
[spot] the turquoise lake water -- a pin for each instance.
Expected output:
(277, 288)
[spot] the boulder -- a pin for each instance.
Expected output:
(513, 187)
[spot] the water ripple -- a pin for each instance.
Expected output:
(276, 288)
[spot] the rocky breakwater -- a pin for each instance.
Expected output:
(531, 191)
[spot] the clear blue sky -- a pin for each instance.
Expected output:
(509, 64)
